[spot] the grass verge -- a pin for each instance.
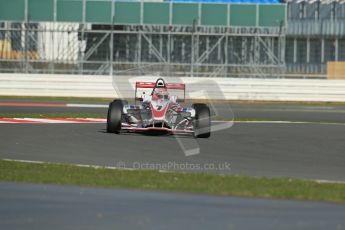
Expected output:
(282, 188)
(98, 115)
(107, 100)
(104, 115)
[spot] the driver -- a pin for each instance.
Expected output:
(160, 94)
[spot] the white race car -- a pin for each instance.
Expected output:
(159, 112)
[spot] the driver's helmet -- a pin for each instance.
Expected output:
(160, 94)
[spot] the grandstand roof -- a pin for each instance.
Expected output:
(233, 1)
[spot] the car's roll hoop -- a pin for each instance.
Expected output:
(159, 83)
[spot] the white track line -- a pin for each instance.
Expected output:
(61, 121)
(87, 105)
(102, 120)
(288, 122)
(42, 120)
(281, 122)
(79, 165)
(51, 120)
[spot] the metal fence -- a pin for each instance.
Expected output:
(104, 49)
(313, 36)
(139, 37)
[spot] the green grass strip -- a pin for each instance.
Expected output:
(63, 174)
(104, 115)
(107, 100)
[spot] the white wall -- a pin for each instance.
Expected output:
(215, 88)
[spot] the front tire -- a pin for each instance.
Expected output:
(115, 111)
(202, 122)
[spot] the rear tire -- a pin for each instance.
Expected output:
(202, 122)
(114, 117)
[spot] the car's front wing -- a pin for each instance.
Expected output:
(133, 128)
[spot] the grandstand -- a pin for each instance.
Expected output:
(315, 36)
(233, 38)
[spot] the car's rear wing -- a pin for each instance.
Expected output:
(142, 84)
(152, 85)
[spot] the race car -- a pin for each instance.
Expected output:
(159, 112)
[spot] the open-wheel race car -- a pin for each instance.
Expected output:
(159, 112)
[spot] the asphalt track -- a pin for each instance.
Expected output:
(308, 151)
(27, 206)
